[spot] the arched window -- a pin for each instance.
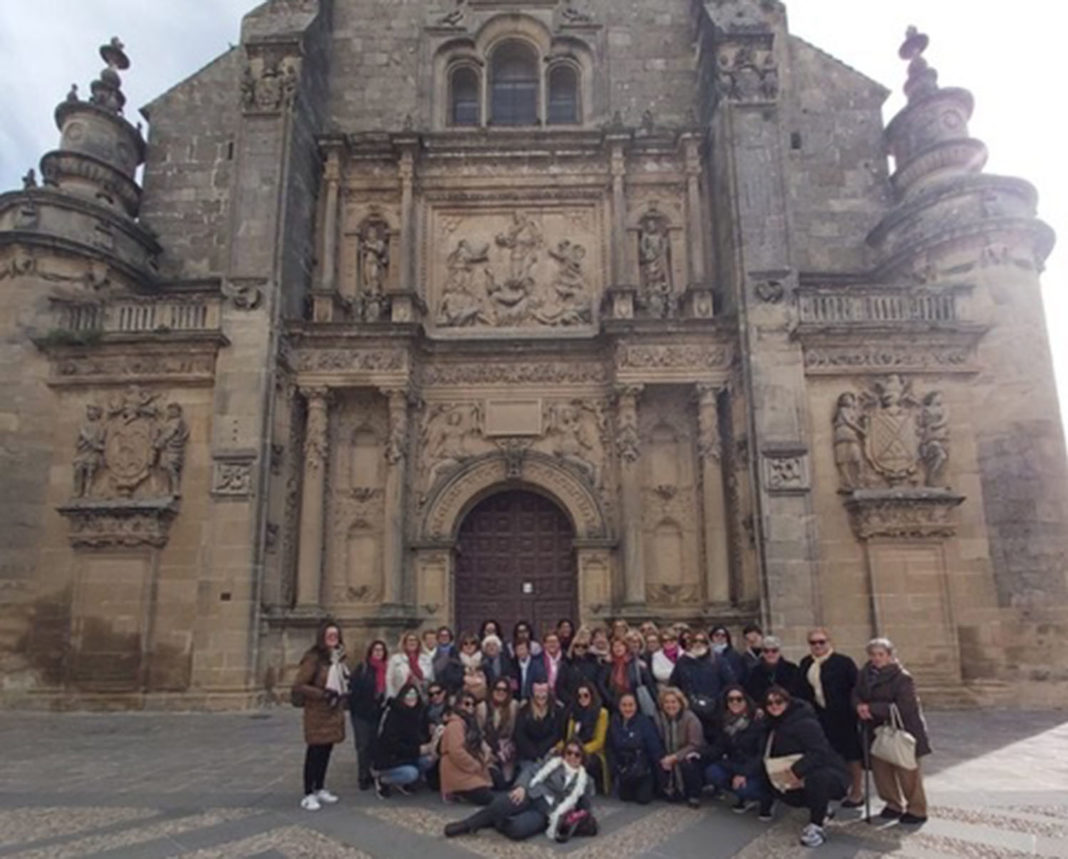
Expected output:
(464, 97)
(514, 85)
(563, 95)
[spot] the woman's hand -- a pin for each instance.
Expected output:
(667, 762)
(738, 782)
(792, 781)
(518, 795)
(864, 711)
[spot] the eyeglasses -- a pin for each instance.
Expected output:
(434, 693)
(775, 702)
(572, 753)
(771, 650)
(500, 689)
(817, 641)
(583, 695)
(700, 641)
(467, 703)
(735, 698)
(581, 646)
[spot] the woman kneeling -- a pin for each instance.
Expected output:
(554, 799)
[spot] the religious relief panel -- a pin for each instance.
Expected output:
(891, 436)
(576, 433)
(450, 435)
(536, 268)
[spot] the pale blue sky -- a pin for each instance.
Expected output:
(1008, 55)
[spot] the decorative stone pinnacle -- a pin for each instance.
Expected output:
(107, 89)
(922, 79)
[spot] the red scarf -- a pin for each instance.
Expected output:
(414, 666)
(671, 651)
(619, 672)
(378, 666)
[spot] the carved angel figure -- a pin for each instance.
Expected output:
(567, 302)
(570, 439)
(170, 446)
(460, 304)
(848, 441)
(934, 438)
(446, 438)
(89, 451)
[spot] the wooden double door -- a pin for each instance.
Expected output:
(515, 561)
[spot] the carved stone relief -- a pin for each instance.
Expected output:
(373, 268)
(451, 434)
(846, 359)
(786, 470)
(232, 476)
(888, 436)
(269, 85)
(747, 72)
(523, 269)
(655, 296)
(130, 447)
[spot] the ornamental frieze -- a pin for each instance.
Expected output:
(698, 357)
(488, 373)
(378, 360)
(70, 369)
(849, 359)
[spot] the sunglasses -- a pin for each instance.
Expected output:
(771, 650)
(700, 641)
(581, 647)
(467, 703)
(817, 641)
(775, 702)
(584, 694)
(500, 689)
(572, 753)
(434, 693)
(733, 698)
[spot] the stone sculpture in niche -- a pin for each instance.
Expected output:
(374, 239)
(654, 263)
(116, 457)
(887, 436)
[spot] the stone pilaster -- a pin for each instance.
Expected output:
(628, 449)
(618, 166)
(396, 461)
(713, 501)
(313, 497)
(325, 295)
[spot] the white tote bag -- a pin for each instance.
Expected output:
(893, 743)
(778, 767)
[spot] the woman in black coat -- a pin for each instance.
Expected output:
(827, 682)
(367, 697)
(773, 670)
(403, 750)
(538, 727)
(818, 775)
(635, 750)
(735, 759)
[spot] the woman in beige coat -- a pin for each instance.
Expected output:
(465, 756)
(321, 688)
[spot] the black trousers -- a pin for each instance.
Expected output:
(516, 822)
(316, 760)
(638, 790)
(476, 796)
(363, 735)
(693, 779)
(821, 786)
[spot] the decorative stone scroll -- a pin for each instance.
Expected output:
(821, 359)
(902, 513)
(889, 436)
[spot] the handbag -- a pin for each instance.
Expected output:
(704, 707)
(893, 743)
(633, 766)
(296, 697)
(778, 767)
(578, 821)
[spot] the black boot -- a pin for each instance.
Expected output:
(457, 827)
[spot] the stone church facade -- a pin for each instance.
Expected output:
(426, 312)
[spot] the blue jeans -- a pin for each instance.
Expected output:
(721, 777)
(406, 773)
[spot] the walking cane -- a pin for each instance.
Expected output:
(866, 750)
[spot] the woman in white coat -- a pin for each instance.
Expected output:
(405, 667)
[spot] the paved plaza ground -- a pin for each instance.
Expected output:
(153, 785)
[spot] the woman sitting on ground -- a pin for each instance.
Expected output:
(635, 751)
(882, 684)
(817, 776)
(465, 756)
(735, 761)
(538, 727)
(403, 751)
(554, 799)
(587, 722)
(497, 717)
(681, 776)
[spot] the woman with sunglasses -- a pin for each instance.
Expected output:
(735, 760)
(829, 680)
(773, 669)
(702, 676)
(542, 801)
(636, 750)
(465, 756)
(587, 722)
(497, 716)
(818, 775)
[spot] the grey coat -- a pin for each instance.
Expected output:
(892, 684)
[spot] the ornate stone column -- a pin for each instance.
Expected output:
(324, 298)
(316, 447)
(695, 223)
(630, 491)
(396, 459)
(710, 454)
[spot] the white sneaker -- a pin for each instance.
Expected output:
(812, 835)
(326, 796)
(310, 803)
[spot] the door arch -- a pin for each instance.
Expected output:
(515, 560)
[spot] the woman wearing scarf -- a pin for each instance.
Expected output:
(471, 659)
(818, 775)
(587, 722)
(405, 667)
(403, 751)
(828, 680)
(723, 647)
(496, 717)
(600, 646)
(883, 683)
(625, 673)
(681, 776)
(465, 756)
(496, 663)
(735, 762)
(322, 686)
(542, 802)
(658, 660)
(367, 697)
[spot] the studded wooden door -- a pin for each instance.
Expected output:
(515, 561)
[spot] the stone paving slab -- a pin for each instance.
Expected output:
(142, 786)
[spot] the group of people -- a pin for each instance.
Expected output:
(531, 730)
